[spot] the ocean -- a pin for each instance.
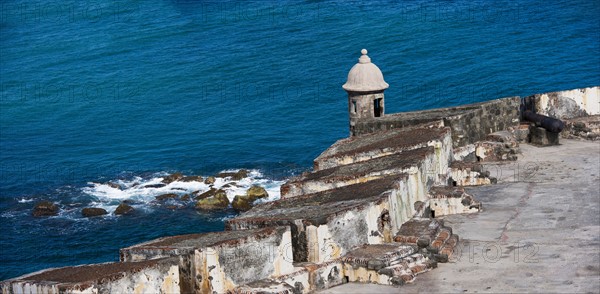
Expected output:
(131, 91)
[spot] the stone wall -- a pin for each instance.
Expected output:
(161, 275)
(327, 224)
(219, 262)
(469, 123)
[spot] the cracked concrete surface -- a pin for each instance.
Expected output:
(539, 230)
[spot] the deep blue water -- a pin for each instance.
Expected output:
(120, 90)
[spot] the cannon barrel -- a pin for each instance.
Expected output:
(550, 124)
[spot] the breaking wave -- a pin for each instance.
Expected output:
(142, 192)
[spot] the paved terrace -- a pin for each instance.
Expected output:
(539, 230)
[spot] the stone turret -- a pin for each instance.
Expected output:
(365, 86)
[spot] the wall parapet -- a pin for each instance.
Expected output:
(469, 123)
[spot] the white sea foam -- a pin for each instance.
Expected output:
(140, 190)
(8, 214)
(25, 200)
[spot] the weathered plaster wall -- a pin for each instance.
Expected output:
(231, 265)
(211, 262)
(431, 162)
(403, 199)
(142, 277)
(365, 103)
(568, 104)
(469, 174)
(344, 232)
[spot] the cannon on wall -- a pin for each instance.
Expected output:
(549, 124)
(546, 128)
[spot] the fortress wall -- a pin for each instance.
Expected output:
(231, 265)
(214, 261)
(426, 149)
(352, 150)
(304, 187)
(324, 230)
(345, 231)
(139, 277)
(469, 123)
(337, 233)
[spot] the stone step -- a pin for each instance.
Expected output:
(378, 256)
(419, 232)
(386, 264)
(433, 238)
(407, 271)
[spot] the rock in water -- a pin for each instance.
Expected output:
(172, 178)
(93, 211)
(218, 201)
(209, 180)
(192, 179)
(123, 208)
(113, 185)
(166, 196)
(230, 184)
(244, 203)
(256, 192)
(236, 176)
(206, 194)
(45, 208)
(241, 203)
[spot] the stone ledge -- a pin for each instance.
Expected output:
(359, 172)
(370, 146)
(433, 238)
(163, 274)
